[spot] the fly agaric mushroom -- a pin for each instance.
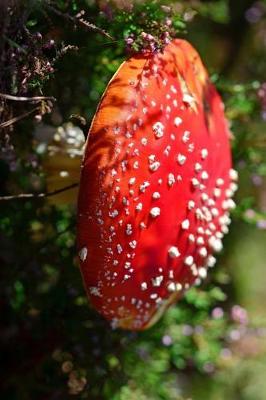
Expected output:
(156, 186)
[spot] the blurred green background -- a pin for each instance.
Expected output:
(212, 344)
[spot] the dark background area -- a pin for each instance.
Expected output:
(53, 345)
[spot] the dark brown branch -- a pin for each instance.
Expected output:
(21, 98)
(15, 119)
(26, 196)
(80, 21)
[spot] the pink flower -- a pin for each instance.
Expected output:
(239, 315)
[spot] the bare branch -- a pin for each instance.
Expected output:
(80, 21)
(26, 196)
(15, 119)
(21, 98)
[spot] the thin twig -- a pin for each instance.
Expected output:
(15, 119)
(21, 98)
(26, 196)
(80, 21)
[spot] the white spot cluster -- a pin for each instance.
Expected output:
(177, 121)
(158, 129)
(171, 179)
(155, 212)
(173, 252)
(181, 159)
(83, 253)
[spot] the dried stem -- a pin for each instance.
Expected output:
(16, 119)
(80, 21)
(21, 98)
(26, 196)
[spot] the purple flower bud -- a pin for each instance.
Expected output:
(152, 47)
(208, 367)
(261, 224)
(234, 335)
(13, 165)
(226, 353)
(129, 40)
(166, 40)
(149, 37)
(187, 330)
(167, 340)
(256, 180)
(254, 13)
(239, 314)
(250, 213)
(217, 313)
(199, 330)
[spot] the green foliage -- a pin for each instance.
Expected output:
(152, 17)
(218, 11)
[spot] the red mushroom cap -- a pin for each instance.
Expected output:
(156, 186)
